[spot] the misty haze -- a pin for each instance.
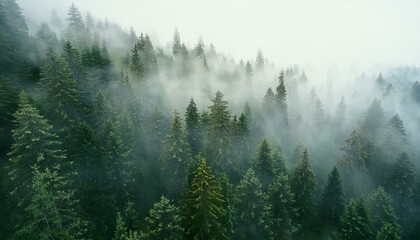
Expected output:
(201, 120)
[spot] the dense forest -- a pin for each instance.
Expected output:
(104, 135)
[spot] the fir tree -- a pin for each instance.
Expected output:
(176, 155)
(355, 222)
(163, 221)
(283, 213)
(263, 165)
(218, 138)
(34, 143)
(251, 207)
(355, 156)
(402, 183)
(303, 187)
(259, 63)
(206, 201)
(176, 45)
(332, 202)
(382, 212)
(248, 71)
(281, 100)
(194, 135)
(388, 231)
(52, 209)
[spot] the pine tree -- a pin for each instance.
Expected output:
(61, 97)
(355, 155)
(388, 232)
(402, 183)
(176, 156)
(269, 102)
(259, 63)
(176, 45)
(303, 187)
(194, 135)
(263, 164)
(251, 206)
(281, 100)
(163, 221)
(242, 144)
(248, 71)
(199, 49)
(136, 65)
(372, 126)
(283, 213)
(355, 222)
(332, 202)
(340, 112)
(218, 138)
(279, 160)
(52, 209)
(75, 18)
(34, 143)
(382, 212)
(206, 201)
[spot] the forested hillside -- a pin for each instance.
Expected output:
(106, 135)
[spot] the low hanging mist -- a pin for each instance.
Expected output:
(199, 120)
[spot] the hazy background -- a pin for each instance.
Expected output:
(357, 35)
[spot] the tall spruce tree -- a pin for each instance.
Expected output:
(283, 213)
(206, 201)
(163, 221)
(355, 222)
(303, 187)
(52, 209)
(34, 143)
(332, 203)
(281, 100)
(193, 129)
(252, 209)
(263, 164)
(218, 138)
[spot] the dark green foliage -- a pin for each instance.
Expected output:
(388, 232)
(280, 100)
(382, 212)
(354, 156)
(252, 209)
(61, 98)
(303, 187)
(355, 222)
(52, 209)
(193, 129)
(206, 205)
(34, 143)
(263, 164)
(176, 156)
(163, 221)
(176, 45)
(218, 142)
(283, 213)
(332, 203)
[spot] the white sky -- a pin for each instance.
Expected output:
(353, 33)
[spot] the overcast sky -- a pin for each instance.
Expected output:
(360, 33)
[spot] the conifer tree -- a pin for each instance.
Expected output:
(163, 221)
(303, 187)
(176, 45)
(340, 112)
(283, 213)
(61, 97)
(249, 73)
(206, 201)
(332, 202)
(259, 63)
(251, 206)
(52, 209)
(269, 102)
(402, 183)
(355, 222)
(355, 156)
(136, 65)
(388, 231)
(242, 143)
(218, 138)
(194, 135)
(34, 143)
(279, 160)
(263, 165)
(176, 155)
(281, 100)
(382, 212)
